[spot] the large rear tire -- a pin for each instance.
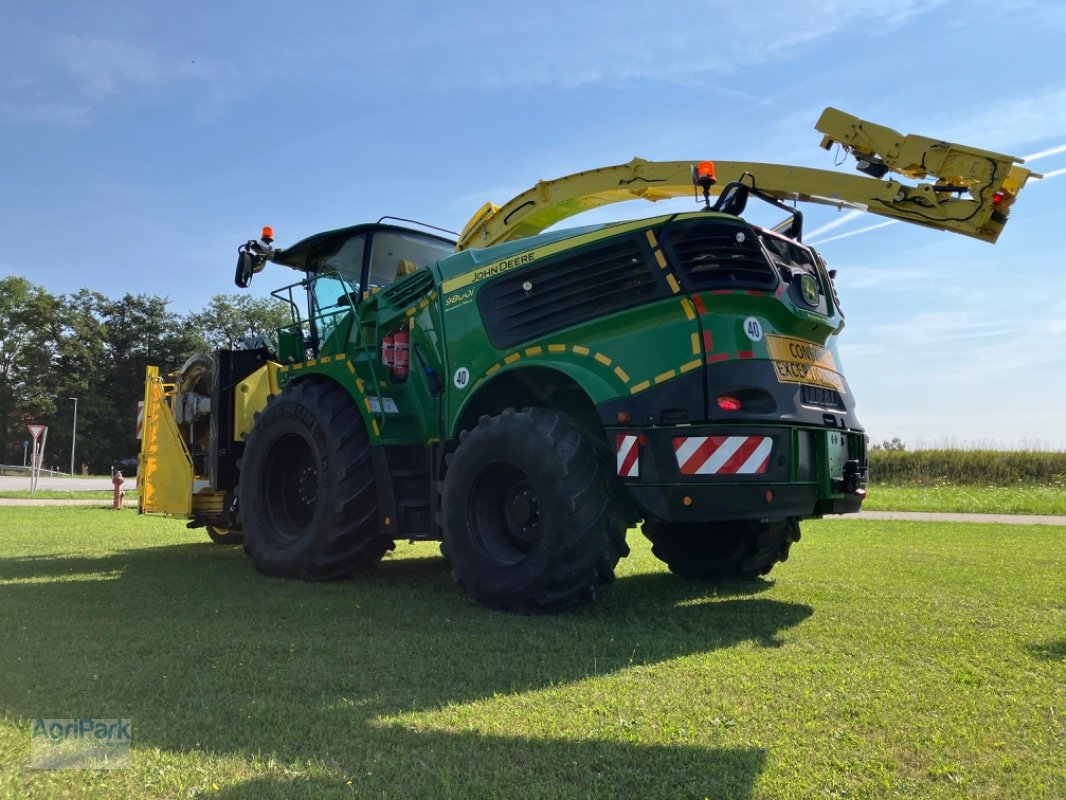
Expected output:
(530, 522)
(733, 550)
(308, 503)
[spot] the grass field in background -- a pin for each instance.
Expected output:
(885, 659)
(961, 467)
(967, 499)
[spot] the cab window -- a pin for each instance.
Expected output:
(396, 254)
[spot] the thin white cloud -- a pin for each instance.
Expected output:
(1040, 115)
(100, 67)
(50, 76)
(564, 45)
(1051, 151)
(35, 112)
(856, 232)
(844, 219)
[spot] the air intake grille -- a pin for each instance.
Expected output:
(556, 294)
(718, 254)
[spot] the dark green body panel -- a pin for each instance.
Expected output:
(650, 367)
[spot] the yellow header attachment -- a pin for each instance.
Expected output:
(971, 193)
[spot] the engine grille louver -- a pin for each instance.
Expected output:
(719, 255)
(556, 294)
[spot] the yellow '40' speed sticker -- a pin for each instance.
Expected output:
(800, 361)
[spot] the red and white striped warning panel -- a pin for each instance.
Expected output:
(723, 455)
(140, 419)
(628, 458)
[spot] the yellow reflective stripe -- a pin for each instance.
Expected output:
(557, 348)
(603, 359)
(695, 344)
(492, 369)
(512, 358)
(691, 365)
(690, 310)
(534, 351)
(661, 259)
(651, 239)
(621, 373)
(581, 350)
(665, 376)
(640, 387)
(670, 279)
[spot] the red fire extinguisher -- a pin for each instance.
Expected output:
(388, 350)
(401, 354)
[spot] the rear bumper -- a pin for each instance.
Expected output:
(715, 472)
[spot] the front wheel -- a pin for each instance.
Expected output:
(733, 550)
(225, 535)
(307, 497)
(530, 522)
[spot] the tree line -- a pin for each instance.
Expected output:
(95, 348)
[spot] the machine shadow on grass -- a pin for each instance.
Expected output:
(205, 655)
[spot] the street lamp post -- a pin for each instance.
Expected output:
(73, 434)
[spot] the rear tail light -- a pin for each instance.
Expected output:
(728, 403)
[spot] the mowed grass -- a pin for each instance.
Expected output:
(885, 659)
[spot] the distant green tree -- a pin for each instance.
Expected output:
(228, 319)
(95, 348)
(27, 357)
(894, 445)
(139, 331)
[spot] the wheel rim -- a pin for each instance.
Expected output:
(504, 514)
(290, 482)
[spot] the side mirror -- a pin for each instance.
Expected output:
(733, 200)
(246, 268)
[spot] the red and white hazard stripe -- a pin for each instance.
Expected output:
(140, 419)
(723, 455)
(628, 455)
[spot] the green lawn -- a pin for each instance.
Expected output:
(885, 659)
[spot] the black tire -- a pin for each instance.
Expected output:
(225, 535)
(530, 522)
(308, 503)
(734, 550)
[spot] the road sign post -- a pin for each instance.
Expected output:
(39, 442)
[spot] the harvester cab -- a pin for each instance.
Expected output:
(524, 396)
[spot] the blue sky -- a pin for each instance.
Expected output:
(142, 142)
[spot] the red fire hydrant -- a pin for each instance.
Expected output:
(116, 501)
